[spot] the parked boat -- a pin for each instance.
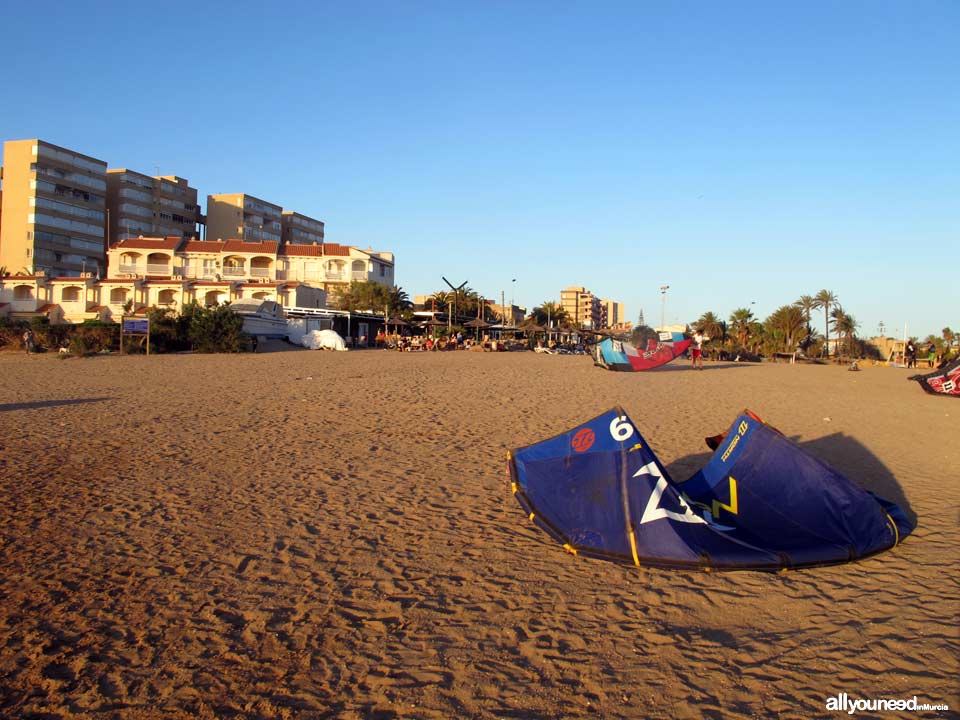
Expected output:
(261, 318)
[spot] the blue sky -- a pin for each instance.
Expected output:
(743, 153)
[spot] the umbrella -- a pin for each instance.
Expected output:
(397, 322)
(477, 323)
(432, 323)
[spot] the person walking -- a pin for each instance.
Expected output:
(931, 355)
(696, 350)
(911, 354)
(29, 341)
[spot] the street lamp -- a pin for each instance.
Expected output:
(663, 306)
(455, 289)
(513, 287)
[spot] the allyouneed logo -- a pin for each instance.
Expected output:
(844, 703)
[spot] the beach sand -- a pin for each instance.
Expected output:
(311, 534)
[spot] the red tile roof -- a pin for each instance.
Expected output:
(267, 247)
(167, 243)
(319, 250)
(203, 246)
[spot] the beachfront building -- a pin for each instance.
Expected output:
(612, 315)
(581, 306)
(333, 266)
(141, 205)
(297, 229)
(53, 210)
(238, 215)
(325, 265)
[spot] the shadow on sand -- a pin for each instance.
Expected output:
(842, 452)
(49, 403)
(681, 365)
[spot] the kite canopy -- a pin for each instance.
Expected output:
(944, 381)
(618, 355)
(760, 503)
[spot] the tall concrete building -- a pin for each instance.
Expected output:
(54, 210)
(581, 306)
(612, 314)
(141, 205)
(245, 217)
(298, 229)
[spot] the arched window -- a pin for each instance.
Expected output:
(118, 296)
(71, 294)
(214, 297)
(167, 297)
(23, 292)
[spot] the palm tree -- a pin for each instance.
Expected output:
(549, 314)
(740, 320)
(398, 300)
(948, 337)
(785, 326)
(714, 328)
(440, 299)
(845, 326)
(824, 299)
(808, 304)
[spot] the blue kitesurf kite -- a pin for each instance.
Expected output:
(760, 503)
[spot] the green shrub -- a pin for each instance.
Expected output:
(217, 329)
(80, 345)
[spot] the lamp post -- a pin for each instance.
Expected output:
(513, 287)
(663, 306)
(455, 290)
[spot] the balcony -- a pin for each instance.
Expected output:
(357, 275)
(154, 269)
(234, 272)
(128, 269)
(260, 272)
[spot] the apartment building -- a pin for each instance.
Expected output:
(297, 229)
(53, 210)
(612, 314)
(581, 306)
(151, 206)
(238, 215)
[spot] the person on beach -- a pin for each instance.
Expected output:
(696, 350)
(911, 354)
(29, 341)
(931, 355)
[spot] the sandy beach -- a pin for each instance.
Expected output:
(310, 534)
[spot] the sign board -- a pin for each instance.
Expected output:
(136, 327)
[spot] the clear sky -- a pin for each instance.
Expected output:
(743, 153)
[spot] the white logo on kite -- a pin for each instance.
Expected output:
(653, 511)
(620, 428)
